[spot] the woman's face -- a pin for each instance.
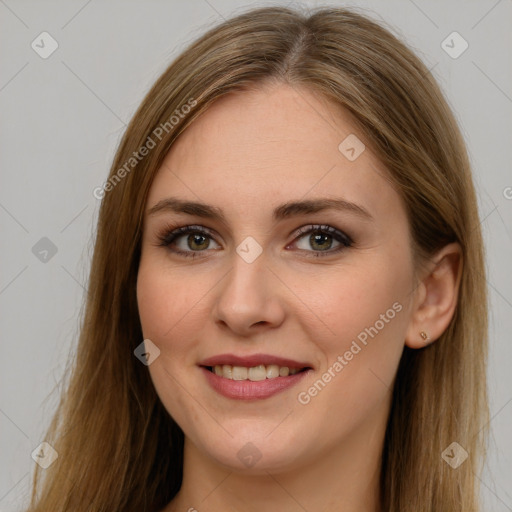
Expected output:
(248, 292)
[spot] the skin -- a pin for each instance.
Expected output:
(248, 153)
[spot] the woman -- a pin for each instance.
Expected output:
(287, 305)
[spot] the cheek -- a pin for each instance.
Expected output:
(366, 313)
(173, 310)
(165, 302)
(169, 319)
(163, 308)
(367, 316)
(153, 303)
(360, 300)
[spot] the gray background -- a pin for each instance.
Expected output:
(62, 118)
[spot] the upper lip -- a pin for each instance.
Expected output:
(252, 360)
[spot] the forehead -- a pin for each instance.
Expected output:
(267, 146)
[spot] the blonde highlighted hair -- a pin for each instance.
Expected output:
(118, 447)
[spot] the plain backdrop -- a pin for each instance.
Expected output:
(63, 116)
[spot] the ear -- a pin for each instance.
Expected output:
(436, 297)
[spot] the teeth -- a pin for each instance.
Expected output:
(255, 373)
(227, 371)
(239, 373)
(272, 371)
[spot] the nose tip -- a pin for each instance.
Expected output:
(247, 300)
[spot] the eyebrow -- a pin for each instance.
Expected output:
(281, 212)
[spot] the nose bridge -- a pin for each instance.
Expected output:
(245, 283)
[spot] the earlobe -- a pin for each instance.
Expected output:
(425, 337)
(437, 298)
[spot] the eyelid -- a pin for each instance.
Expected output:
(170, 232)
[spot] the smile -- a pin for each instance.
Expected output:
(252, 377)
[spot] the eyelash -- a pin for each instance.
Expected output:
(169, 234)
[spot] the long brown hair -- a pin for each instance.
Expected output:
(118, 447)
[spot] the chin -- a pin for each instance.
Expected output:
(253, 453)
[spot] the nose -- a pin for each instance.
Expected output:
(249, 298)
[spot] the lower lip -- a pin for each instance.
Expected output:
(251, 390)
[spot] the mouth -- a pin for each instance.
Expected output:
(253, 377)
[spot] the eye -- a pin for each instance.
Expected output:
(199, 239)
(321, 239)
